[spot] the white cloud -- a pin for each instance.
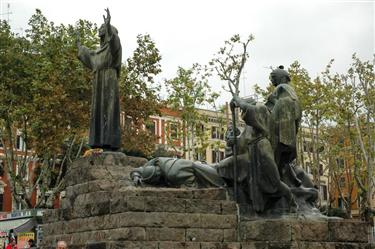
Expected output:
(188, 31)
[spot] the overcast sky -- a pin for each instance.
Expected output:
(189, 31)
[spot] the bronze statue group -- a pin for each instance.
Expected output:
(259, 168)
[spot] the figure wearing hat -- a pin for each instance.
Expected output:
(286, 116)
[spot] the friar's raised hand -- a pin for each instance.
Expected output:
(107, 20)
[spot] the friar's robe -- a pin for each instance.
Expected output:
(105, 106)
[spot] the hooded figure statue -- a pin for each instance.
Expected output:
(105, 105)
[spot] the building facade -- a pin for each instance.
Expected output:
(208, 143)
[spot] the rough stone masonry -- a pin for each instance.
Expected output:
(101, 211)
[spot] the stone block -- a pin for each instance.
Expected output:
(66, 203)
(331, 245)
(266, 230)
(278, 245)
(66, 214)
(81, 238)
(141, 219)
(165, 234)
(180, 220)
(127, 233)
(136, 162)
(92, 198)
(175, 193)
(162, 204)
(203, 206)
(218, 221)
(230, 235)
(178, 245)
(106, 166)
(219, 245)
(50, 215)
(56, 228)
(254, 245)
(210, 194)
(134, 245)
(81, 211)
(312, 245)
(99, 235)
(76, 225)
(309, 230)
(135, 203)
(100, 208)
(118, 202)
(97, 245)
(202, 235)
(347, 231)
(228, 207)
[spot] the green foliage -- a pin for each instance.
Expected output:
(61, 86)
(188, 91)
(45, 93)
(264, 93)
(139, 95)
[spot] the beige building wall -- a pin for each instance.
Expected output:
(305, 146)
(215, 126)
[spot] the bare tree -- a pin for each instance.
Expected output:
(230, 60)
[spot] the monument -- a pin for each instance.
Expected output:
(116, 201)
(105, 62)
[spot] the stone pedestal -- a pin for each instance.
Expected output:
(102, 211)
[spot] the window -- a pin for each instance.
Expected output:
(340, 163)
(1, 202)
(217, 156)
(201, 156)
(308, 167)
(340, 203)
(307, 146)
(217, 133)
(173, 131)
(20, 143)
(151, 127)
(323, 192)
(321, 169)
(342, 182)
(2, 168)
(199, 128)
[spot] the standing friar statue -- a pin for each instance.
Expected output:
(105, 107)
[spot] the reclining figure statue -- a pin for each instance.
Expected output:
(174, 172)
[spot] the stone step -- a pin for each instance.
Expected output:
(215, 245)
(318, 230)
(109, 188)
(139, 219)
(145, 200)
